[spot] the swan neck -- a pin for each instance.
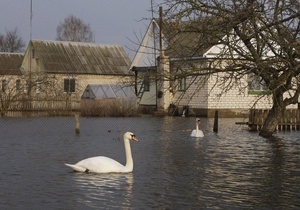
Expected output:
(197, 126)
(129, 160)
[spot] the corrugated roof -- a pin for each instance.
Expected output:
(108, 91)
(10, 63)
(81, 58)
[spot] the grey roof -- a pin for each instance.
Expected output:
(108, 91)
(189, 38)
(81, 58)
(10, 63)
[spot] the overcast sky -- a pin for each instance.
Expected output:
(113, 21)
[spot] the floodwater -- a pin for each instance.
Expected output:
(233, 169)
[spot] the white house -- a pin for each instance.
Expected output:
(197, 94)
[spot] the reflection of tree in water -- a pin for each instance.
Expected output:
(106, 190)
(275, 173)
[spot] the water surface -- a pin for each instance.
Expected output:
(233, 169)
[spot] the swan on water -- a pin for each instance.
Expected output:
(196, 132)
(102, 164)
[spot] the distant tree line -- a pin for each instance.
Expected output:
(11, 41)
(71, 29)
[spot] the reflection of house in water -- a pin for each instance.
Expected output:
(109, 100)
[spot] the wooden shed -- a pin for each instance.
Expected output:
(109, 100)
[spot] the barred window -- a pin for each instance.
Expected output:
(69, 85)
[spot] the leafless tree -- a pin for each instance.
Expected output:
(1, 41)
(258, 37)
(10, 93)
(74, 29)
(11, 41)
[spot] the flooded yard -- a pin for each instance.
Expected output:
(231, 169)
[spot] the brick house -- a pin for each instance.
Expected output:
(60, 71)
(199, 94)
(11, 80)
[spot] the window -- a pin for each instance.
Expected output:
(256, 85)
(4, 85)
(18, 85)
(69, 85)
(181, 84)
(146, 83)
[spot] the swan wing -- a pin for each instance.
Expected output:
(193, 134)
(196, 133)
(76, 168)
(100, 164)
(200, 133)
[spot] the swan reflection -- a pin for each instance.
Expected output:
(95, 189)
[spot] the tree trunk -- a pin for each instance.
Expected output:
(270, 124)
(273, 117)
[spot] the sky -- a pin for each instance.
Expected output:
(121, 22)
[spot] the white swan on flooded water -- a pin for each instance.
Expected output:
(196, 132)
(102, 164)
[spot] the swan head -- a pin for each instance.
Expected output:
(130, 136)
(198, 121)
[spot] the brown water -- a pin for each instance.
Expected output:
(234, 169)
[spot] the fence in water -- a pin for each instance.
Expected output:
(290, 119)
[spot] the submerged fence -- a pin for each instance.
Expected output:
(41, 107)
(290, 119)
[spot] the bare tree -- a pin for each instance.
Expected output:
(10, 93)
(11, 41)
(1, 41)
(74, 29)
(256, 37)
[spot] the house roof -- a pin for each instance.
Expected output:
(10, 63)
(81, 58)
(181, 40)
(189, 39)
(98, 91)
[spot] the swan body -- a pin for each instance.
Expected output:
(196, 132)
(102, 164)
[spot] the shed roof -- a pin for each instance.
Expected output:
(10, 63)
(81, 58)
(108, 91)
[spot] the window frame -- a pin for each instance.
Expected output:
(181, 83)
(69, 85)
(146, 83)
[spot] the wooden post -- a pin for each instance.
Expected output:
(77, 126)
(216, 122)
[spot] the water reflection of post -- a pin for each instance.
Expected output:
(104, 188)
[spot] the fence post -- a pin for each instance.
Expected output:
(77, 126)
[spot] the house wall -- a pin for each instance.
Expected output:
(33, 64)
(210, 97)
(82, 80)
(147, 98)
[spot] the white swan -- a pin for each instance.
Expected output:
(196, 132)
(101, 164)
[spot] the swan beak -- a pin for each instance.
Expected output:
(134, 138)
